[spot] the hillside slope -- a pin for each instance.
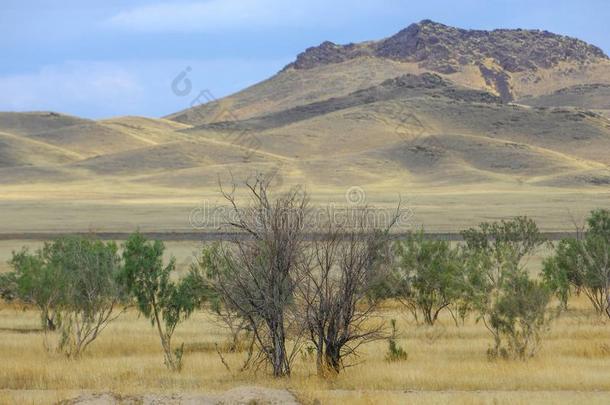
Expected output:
(426, 112)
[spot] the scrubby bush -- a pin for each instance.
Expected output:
(334, 286)
(512, 306)
(582, 265)
(91, 296)
(428, 276)
(73, 282)
(34, 281)
(518, 316)
(164, 302)
(257, 276)
(288, 289)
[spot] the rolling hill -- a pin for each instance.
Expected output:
(475, 124)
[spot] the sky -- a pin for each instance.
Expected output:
(103, 58)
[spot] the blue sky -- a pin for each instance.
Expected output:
(103, 58)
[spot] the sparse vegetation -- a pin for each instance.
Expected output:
(277, 302)
(280, 289)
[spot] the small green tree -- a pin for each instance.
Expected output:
(582, 265)
(428, 276)
(35, 282)
(511, 305)
(91, 296)
(164, 302)
(72, 281)
(519, 235)
(518, 317)
(599, 223)
(565, 272)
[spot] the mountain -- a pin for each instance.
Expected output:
(447, 49)
(512, 64)
(476, 124)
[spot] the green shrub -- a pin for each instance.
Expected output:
(583, 265)
(73, 282)
(395, 352)
(34, 281)
(518, 317)
(91, 296)
(428, 276)
(164, 302)
(512, 306)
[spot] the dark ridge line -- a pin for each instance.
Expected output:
(228, 236)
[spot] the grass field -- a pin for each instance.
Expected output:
(446, 364)
(439, 209)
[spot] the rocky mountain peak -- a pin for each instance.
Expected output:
(445, 49)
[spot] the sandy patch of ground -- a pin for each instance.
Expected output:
(240, 395)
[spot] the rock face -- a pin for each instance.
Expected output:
(445, 49)
(327, 53)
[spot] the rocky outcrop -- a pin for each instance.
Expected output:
(444, 49)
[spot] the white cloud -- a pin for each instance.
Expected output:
(98, 89)
(210, 15)
(70, 85)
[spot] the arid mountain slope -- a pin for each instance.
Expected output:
(411, 130)
(587, 96)
(418, 130)
(511, 64)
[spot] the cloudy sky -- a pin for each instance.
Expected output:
(102, 58)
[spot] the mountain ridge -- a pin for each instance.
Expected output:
(441, 47)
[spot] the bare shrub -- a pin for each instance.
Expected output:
(256, 277)
(343, 266)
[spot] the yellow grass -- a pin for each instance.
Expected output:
(445, 364)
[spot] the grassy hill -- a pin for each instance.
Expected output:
(427, 113)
